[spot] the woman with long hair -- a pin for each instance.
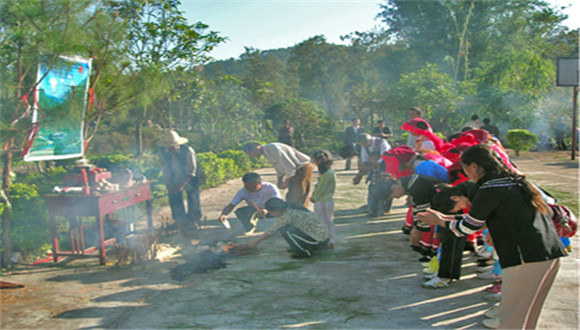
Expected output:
(522, 232)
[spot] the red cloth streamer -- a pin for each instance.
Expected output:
(34, 130)
(91, 98)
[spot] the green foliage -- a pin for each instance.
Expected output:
(29, 229)
(224, 115)
(521, 140)
(218, 170)
(243, 162)
(436, 93)
(312, 126)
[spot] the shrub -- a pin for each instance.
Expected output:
(30, 226)
(217, 170)
(521, 140)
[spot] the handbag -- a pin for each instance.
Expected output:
(564, 220)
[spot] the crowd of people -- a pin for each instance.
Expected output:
(463, 193)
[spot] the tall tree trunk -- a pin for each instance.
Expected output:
(139, 133)
(139, 139)
(6, 215)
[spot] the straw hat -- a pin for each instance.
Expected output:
(171, 139)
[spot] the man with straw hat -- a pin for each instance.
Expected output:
(179, 167)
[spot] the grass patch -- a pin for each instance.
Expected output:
(567, 199)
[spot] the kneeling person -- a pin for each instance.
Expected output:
(302, 229)
(255, 193)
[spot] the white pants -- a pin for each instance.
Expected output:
(325, 212)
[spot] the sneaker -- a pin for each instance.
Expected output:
(495, 288)
(492, 313)
(488, 276)
(493, 297)
(437, 283)
(433, 266)
(484, 254)
(406, 230)
(484, 269)
(491, 323)
(429, 271)
(485, 261)
(429, 277)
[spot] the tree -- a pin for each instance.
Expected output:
(224, 116)
(159, 40)
(266, 76)
(320, 69)
(435, 92)
(313, 127)
(30, 29)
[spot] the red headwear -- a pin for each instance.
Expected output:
(411, 126)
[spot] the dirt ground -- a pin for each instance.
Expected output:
(371, 279)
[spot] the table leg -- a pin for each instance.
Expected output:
(149, 215)
(102, 252)
(54, 238)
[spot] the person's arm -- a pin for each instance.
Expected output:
(282, 183)
(229, 208)
(257, 241)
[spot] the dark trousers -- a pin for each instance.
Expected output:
(244, 214)
(377, 200)
(301, 242)
(451, 254)
(177, 205)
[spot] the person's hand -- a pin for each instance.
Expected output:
(222, 217)
(488, 239)
(429, 217)
(284, 184)
(356, 179)
(415, 236)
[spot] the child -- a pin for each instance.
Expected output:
(323, 192)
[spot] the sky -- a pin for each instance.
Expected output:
(271, 24)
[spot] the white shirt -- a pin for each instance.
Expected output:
(259, 197)
(376, 144)
(285, 159)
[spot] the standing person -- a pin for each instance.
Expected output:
(350, 134)
(450, 200)
(492, 129)
(382, 130)
(255, 193)
(415, 112)
(286, 133)
(180, 171)
(293, 169)
(559, 131)
(424, 138)
(523, 235)
(301, 228)
(322, 197)
(371, 149)
(473, 124)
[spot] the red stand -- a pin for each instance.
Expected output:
(98, 206)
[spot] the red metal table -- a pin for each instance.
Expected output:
(98, 206)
